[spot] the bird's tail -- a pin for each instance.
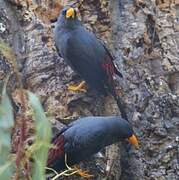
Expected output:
(121, 106)
(120, 103)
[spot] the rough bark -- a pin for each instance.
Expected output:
(144, 38)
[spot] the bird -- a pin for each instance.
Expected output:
(87, 136)
(87, 56)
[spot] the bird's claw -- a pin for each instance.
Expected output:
(80, 87)
(82, 173)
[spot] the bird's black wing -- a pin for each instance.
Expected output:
(108, 62)
(89, 143)
(110, 69)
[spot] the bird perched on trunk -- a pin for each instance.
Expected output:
(86, 55)
(87, 136)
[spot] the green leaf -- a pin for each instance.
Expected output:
(6, 124)
(43, 138)
(6, 111)
(6, 171)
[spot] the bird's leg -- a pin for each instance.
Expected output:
(67, 166)
(82, 173)
(77, 170)
(79, 87)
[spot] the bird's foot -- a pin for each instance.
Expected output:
(80, 87)
(82, 173)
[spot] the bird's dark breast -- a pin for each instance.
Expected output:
(84, 141)
(72, 158)
(83, 153)
(85, 56)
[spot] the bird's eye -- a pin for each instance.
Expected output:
(64, 12)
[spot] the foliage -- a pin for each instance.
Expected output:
(39, 150)
(6, 124)
(43, 136)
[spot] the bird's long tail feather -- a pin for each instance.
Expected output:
(122, 107)
(120, 103)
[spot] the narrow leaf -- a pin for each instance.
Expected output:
(43, 138)
(6, 124)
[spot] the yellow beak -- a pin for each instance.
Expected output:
(70, 13)
(133, 140)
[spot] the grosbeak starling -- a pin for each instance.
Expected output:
(86, 55)
(87, 136)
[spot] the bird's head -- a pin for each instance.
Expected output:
(69, 13)
(124, 130)
(69, 18)
(129, 134)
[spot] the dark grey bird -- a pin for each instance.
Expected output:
(87, 136)
(86, 55)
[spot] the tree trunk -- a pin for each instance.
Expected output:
(144, 38)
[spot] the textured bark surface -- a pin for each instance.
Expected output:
(144, 38)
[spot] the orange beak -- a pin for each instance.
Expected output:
(70, 13)
(133, 140)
